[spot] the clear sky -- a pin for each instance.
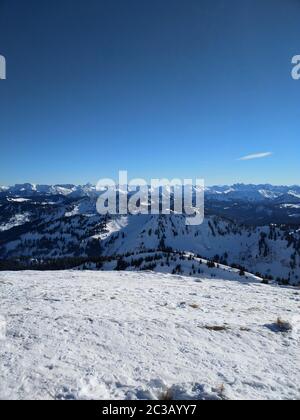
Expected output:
(175, 88)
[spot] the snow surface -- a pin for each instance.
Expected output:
(123, 335)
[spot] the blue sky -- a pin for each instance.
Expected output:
(160, 88)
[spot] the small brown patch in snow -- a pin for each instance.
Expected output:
(217, 328)
(283, 326)
(194, 306)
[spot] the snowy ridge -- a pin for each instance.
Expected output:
(266, 250)
(70, 232)
(180, 263)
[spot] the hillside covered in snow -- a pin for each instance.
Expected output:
(117, 335)
(41, 224)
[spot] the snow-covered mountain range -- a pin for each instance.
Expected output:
(227, 192)
(249, 204)
(32, 190)
(254, 192)
(58, 222)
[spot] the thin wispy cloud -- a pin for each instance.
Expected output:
(256, 156)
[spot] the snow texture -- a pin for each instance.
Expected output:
(125, 335)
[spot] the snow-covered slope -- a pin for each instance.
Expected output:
(270, 251)
(76, 231)
(109, 335)
(179, 263)
(58, 222)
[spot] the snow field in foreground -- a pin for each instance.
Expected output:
(123, 335)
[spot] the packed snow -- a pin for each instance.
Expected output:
(125, 335)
